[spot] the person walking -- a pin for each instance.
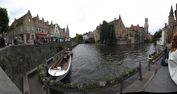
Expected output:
(164, 61)
(172, 61)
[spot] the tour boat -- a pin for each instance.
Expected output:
(60, 69)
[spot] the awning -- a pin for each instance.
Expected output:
(41, 35)
(56, 36)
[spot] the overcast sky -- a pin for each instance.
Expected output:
(84, 15)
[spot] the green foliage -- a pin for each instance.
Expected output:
(157, 35)
(78, 38)
(59, 48)
(107, 34)
(42, 69)
(4, 20)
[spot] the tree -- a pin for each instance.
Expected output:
(107, 33)
(79, 38)
(4, 20)
(112, 35)
(157, 35)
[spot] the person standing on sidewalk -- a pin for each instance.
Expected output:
(172, 61)
(164, 61)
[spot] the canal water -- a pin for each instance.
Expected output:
(92, 62)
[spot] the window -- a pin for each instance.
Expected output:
(32, 28)
(21, 29)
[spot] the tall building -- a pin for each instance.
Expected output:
(146, 26)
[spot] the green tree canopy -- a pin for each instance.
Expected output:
(79, 38)
(157, 35)
(107, 33)
(4, 20)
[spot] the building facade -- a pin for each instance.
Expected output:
(96, 34)
(88, 37)
(171, 28)
(125, 35)
(135, 34)
(27, 29)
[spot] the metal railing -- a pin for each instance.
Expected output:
(151, 60)
(139, 75)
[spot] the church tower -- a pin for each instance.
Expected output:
(171, 22)
(146, 26)
(171, 17)
(67, 31)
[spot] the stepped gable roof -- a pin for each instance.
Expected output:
(19, 21)
(135, 28)
(47, 22)
(115, 21)
(36, 18)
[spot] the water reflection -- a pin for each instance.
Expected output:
(99, 62)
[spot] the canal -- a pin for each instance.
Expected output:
(92, 62)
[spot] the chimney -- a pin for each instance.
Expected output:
(114, 19)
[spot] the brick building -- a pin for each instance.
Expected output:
(26, 29)
(125, 35)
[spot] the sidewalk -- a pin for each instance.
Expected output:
(6, 85)
(161, 82)
(157, 80)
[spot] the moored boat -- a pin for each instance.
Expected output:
(61, 67)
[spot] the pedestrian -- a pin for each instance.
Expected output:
(164, 61)
(172, 61)
(2, 42)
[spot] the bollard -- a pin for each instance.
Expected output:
(121, 87)
(149, 63)
(149, 69)
(46, 88)
(156, 68)
(140, 71)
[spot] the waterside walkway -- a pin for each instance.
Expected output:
(157, 80)
(6, 85)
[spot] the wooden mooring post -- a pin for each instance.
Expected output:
(140, 71)
(149, 63)
(121, 87)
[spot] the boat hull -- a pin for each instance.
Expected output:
(59, 74)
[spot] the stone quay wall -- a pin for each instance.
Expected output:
(17, 60)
